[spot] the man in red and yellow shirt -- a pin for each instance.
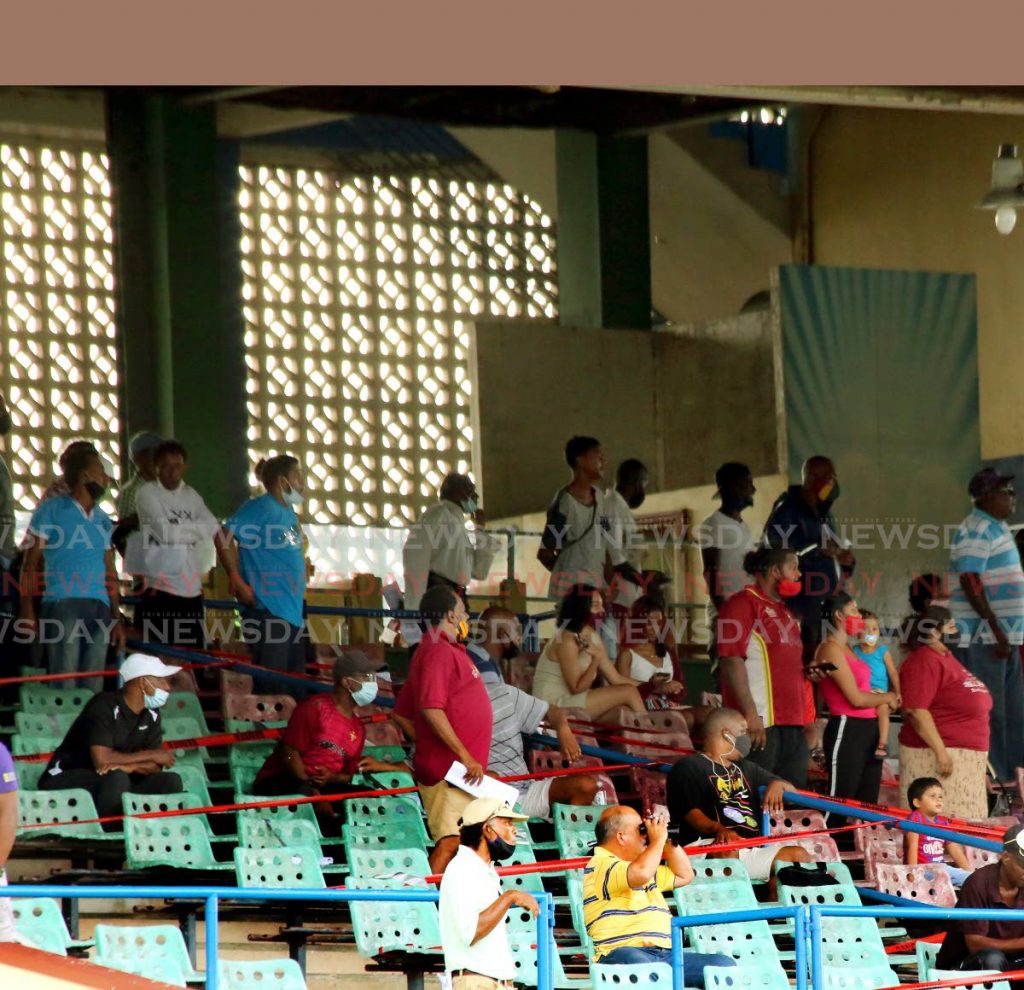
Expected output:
(444, 690)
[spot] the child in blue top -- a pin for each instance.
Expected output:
(884, 677)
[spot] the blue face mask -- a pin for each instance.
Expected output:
(470, 505)
(157, 699)
(366, 693)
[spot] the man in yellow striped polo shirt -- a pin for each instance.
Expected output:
(623, 907)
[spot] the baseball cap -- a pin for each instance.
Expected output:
(352, 663)
(145, 665)
(141, 442)
(1013, 841)
(986, 481)
(483, 809)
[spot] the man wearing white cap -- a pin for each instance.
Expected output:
(115, 746)
(472, 905)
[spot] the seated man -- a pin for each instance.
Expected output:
(516, 713)
(322, 747)
(714, 799)
(115, 746)
(997, 945)
(624, 910)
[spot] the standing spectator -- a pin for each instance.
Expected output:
(851, 735)
(516, 714)
(141, 450)
(472, 905)
(715, 796)
(440, 550)
(624, 908)
(115, 746)
(69, 549)
(574, 657)
(995, 944)
(761, 665)
(59, 485)
(177, 543)
(802, 520)
(946, 709)
(322, 747)
(8, 830)
(267, 570)
(577, 545)
(445, 703)
(925, 796)
(724, 538)
(629, 493)
(988, 605)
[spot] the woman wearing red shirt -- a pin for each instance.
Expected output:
(945, 730)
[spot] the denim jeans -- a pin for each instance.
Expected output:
(693, 962)
(75, 634)
(1006, 721)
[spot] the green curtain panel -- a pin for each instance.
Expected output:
(881, 373)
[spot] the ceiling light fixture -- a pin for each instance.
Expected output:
(1006, 195)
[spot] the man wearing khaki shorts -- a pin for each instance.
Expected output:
(472, 906)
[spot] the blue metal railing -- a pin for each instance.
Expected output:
(213, 895)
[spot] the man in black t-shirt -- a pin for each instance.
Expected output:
(115, 746)
(711, 798)
(996, 945)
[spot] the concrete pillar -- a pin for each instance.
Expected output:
(182, 336)
(604, 252)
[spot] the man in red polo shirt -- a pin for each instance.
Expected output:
(444, 690)
(761, 659)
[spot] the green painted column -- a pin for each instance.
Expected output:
(604, 251)
(182, 335)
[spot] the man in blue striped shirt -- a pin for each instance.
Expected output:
(988, 604)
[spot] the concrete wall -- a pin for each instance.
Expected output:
(682, 401)
(896, 189)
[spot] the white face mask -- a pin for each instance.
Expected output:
(366, 693)
(469, 506)
(157, 699)
(292, 497)
(870, 639)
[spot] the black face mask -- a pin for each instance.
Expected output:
(736, 503)
(499, 848)
(95, 490)
(509, 651)
(951, 640)
(635, 501)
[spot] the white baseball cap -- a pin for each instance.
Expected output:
(145, 665)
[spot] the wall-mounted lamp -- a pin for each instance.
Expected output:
(1007, 193)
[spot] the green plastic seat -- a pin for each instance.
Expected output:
(281, 812)
(255, 832)
(386, 754)
(523, 946)
(286, 866)
(714, 870)
(246, 725)
(156, 951)
(574, 828)
(185, 704)
(710, 898)
(53, 701)
(48, 808)
(403, 835)
(639, 976)
(384, 862)
(43, 723)
(265, 974)
(387, 926)
(29, 774)
(840, 871)
(142, 804)
(250, 754)
(574, 885)
(532, 883)
(844, 895)
(926, 953)
(745, 978)
(748, 942)
(386, 810)
(383, 780)
(860, 977)
(996, 984)
(854, 953)
(183, 842)
(242, 778)
(193, 780)
(25, 745)
(183, 727)
(39, 920)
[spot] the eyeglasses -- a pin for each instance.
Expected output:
(1007, 490)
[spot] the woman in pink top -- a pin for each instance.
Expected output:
(851, 735)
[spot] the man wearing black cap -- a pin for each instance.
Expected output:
(988, 604)
(995, 945)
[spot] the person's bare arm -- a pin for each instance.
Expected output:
(735, 671)
(844, 679)
(605, 667)
(494, 914)
(103, 758)
(31, 573)
(894, 674)
(567, 652)
(679, 863)
(227, 554)
(117, 634)
(958, 855)
(974, 592)
(624, 661)
(8, 824)
(975, 943)
(406, 725)
(712, 560)
(913, 840)
(643, 869)
(709, 828)
(293, 762)
(924, 725)
(437, 719)
(567, 742)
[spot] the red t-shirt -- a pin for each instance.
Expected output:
(324, 737)
(959, 703)
(767, 635)
(442, 676)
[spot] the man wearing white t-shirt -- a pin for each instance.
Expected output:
(472, 905)
(177, 548)
(724, 537)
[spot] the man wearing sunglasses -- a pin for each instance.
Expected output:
(988, 605)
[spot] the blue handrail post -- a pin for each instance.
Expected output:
(800, 935)
(212, 943)
(817, 971)
(677, 954)
(545, 942)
